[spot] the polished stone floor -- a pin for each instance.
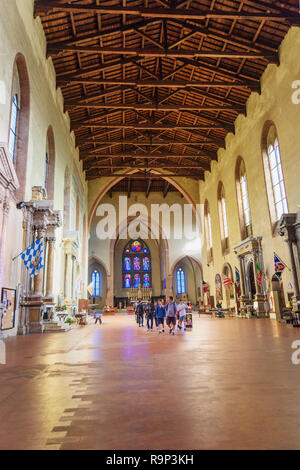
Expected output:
(228, 384)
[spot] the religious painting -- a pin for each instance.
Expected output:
(8, 299)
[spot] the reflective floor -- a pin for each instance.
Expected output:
(228, 384)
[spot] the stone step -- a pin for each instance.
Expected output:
(55, 327)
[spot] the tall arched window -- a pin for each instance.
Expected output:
(14, 122)
(243, 199)
(77, 214)
(67, 198)
(223, 218)
(19, 121)
(208, 232)
(97, 280)
(46, 169)
(273, 172)
(136, 265)
(180, 281)
(49, 163)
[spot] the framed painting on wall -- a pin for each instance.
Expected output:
(8, 299)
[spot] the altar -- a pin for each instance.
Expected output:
(139, 293)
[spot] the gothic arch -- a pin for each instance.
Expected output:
(119, 178)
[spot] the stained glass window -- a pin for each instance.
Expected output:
(146, 264)
(97, 280)
(137, 281)
(180, 281)
(136, 246)
(146, 280)
(136, 266)
(127, 279)
(127, 264)
(136, 263)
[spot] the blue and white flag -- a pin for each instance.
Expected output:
(33, 257)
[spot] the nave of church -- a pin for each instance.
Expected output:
(148, 151)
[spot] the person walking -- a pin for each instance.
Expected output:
(160, 312)
(98, 318)
(171, 315)
(140, 313)
(150, 314)
(181, 309)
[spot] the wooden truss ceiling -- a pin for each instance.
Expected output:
(143, 185)
(157, 84)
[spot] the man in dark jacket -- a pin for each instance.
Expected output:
(150, 314)
(140, 313)
(160, 312)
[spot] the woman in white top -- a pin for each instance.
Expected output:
(181, 309)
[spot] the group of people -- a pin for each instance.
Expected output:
(168, 312)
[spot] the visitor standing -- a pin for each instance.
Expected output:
(181, 309)
(150, 314)
(140, 313)
(160, 312)
(171, 315)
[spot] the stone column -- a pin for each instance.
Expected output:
(38, 279)
(259, 298)
(243, 297)
(296, 297)
(110, 291)
(168, 290)
(68, 277)
(242, 271)
(50, 269)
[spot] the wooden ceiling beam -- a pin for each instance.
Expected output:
(105, 32)
(237, 41)
(51, 6)
(199, 166)
(96, 175)
(83, 123)
(173, 53)
(154, 143)
(166, 189)
(88, 156)
(161, 83)
(149, 184)
(69, 104)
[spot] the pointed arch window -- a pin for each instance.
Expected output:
(97, 280)
(180, 281)
(243, 199)
(46, 169)
(223, 218)
(136, 265)
(278, 186)
(208, 232)
(275, 184)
